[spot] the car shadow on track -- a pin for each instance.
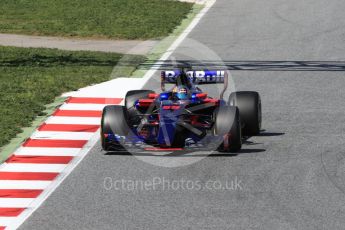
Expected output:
(187, 153)
(203, 153)
(270, 134)
(216, 154)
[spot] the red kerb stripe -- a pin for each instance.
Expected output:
(91, 100)
(40, 159)
(54, 143)
(27, 176)
(20, 193)
(10, 212)
(68, 128)
(77, 113)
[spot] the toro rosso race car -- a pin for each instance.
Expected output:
(183, 116)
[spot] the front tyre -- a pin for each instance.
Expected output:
(228, 126)
(114, 122)
(131, 97)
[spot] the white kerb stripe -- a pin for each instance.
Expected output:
(24, 184)
(6, 221)
(36, 151)
(28, 167)
(73, 106)
(15, 202)
(62, 135)
(74, 120)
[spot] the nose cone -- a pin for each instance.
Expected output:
(168, 128)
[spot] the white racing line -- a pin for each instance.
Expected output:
(50, 155)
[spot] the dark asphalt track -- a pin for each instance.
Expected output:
(290, 177)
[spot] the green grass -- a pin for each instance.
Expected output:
(31, 78)
(121, 19)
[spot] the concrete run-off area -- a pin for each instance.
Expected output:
(117, 46)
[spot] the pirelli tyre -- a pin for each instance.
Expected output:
(131, 97)
(249, 105)
(228, 126)
(114, 122)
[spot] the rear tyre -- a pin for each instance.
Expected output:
(249, 105)
(114, 121)
(228, 125)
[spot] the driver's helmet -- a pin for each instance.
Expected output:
(182, 92)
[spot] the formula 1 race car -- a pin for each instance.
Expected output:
(183, 116)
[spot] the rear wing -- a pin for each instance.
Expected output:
(197, 77)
